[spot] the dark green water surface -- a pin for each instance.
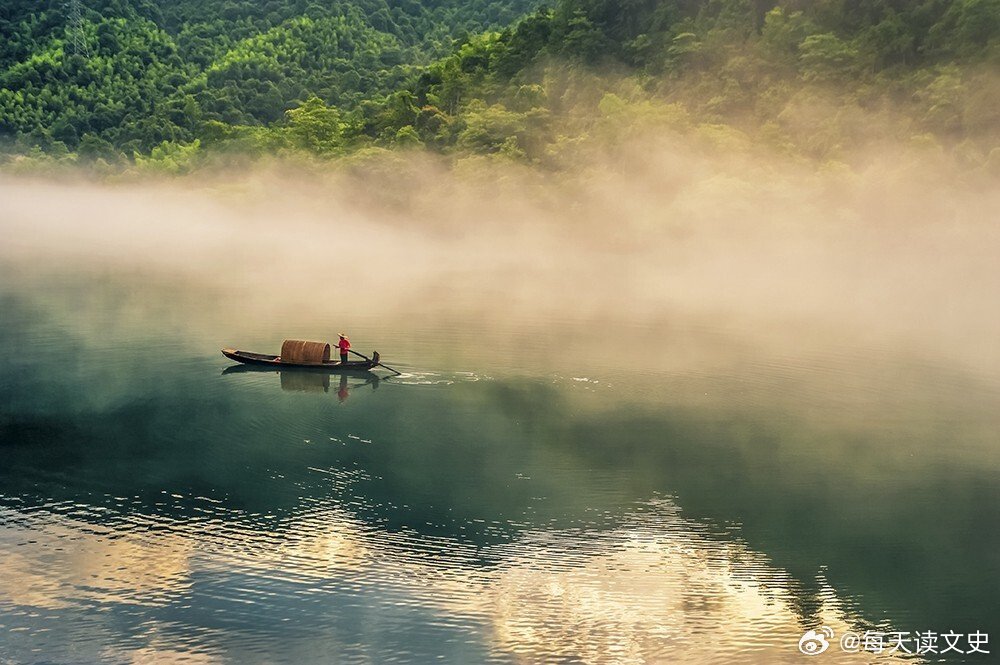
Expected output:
(490, 505)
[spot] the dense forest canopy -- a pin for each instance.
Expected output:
(132, 73)
(163, 82)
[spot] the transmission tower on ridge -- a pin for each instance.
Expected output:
(75, 29)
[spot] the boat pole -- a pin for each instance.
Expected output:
(398, 373)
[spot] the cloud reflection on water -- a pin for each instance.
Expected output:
(659, 588)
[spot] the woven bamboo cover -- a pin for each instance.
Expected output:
(299, 351)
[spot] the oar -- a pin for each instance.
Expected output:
(398, 373)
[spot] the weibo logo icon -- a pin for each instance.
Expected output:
(815, 642)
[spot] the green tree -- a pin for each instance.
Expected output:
(826, 57)
(315, 127)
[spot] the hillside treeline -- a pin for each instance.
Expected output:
(130, 74)
(169, 85)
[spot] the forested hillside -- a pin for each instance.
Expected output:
(185, 79)
(132, 73)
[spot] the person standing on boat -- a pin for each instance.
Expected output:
(344, 344)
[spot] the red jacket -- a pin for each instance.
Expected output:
(344, 346)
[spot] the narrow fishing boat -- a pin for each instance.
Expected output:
(304, 354)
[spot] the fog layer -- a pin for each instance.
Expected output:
(640, 238)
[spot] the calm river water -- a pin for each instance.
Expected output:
(498, 502)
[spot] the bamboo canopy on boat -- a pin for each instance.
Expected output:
(299, 351)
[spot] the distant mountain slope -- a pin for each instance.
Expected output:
(290, 75)
(132, 74)
(813, 77)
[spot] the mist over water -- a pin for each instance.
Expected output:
(676, 405)
(901, 253)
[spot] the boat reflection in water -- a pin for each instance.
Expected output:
(311, 381)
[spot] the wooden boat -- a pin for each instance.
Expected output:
(302, 354)
(308, 379)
